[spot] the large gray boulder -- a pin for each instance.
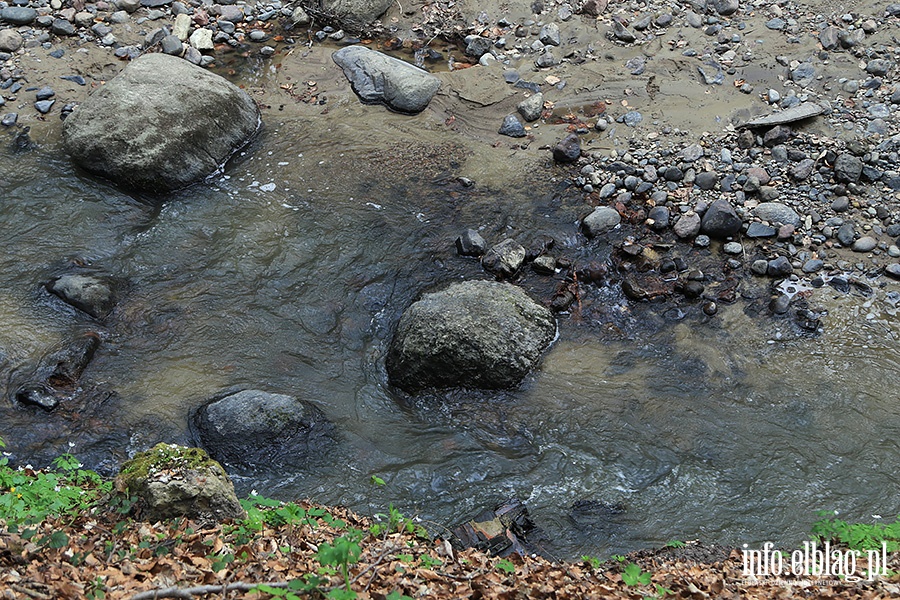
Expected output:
(355, 14)
(478, 334)
(376, 77)
(160, 124)
(253, 429)
(172, 481)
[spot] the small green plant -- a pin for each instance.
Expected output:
(632, 575)
(377, 480)
(618, 558)
(661, 592)
(340, 554)
(675, 544)
(429, 562)
(307, 584)
(29, 496)
(857, 536)
(592, 561)
(506, 566)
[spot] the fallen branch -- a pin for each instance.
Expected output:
(202, 590)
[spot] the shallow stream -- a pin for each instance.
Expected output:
(289, 273)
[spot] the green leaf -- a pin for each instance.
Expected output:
(58, 539)
(506, 566)
(632, 575)
(377, 480)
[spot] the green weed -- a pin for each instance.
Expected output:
(857, 536)
(632, 575)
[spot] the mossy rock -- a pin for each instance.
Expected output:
(171, 481)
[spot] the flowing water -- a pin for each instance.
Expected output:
(289, 273)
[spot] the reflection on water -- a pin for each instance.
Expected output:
(289, 273)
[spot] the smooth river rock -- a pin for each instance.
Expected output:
(476, 334)
(776, 212)
(160, 124)
(253, 429)
(376, 77)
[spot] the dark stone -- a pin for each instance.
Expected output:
(846, 234)
(847, 168)
(720, 220)
(659, 217)
(673, 174)
(470, 243)
(803, 169)
(893, 270)
(172, 45)
(512, 127)
(568, 150)
(758, 230)
(779, 267)
(706, 180)
(251, 429)
(57, 376)
(505, 530)
(777, 135)
(62, 27)
(476, 333)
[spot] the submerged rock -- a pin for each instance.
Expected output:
(92, 294)
(253, 428)
(376, 77)
(160, 124)
(173, 481)
(57, 377)
(477, 334)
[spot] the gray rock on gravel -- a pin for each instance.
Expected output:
(532, 107)
(376, 77)
(254, 428)
(601, 220)
(477, 334)
(776, 212)
(549, 34)
(847, 168)
(160, 124)
(790, 115)
(865, 244)
(10, 40)
(688, 225)
(724, 7)
(356, 13)
(720, 220)
(18, 15)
